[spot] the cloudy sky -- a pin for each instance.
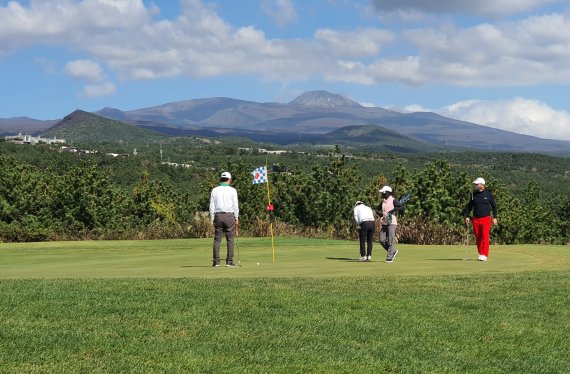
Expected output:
(502, 63)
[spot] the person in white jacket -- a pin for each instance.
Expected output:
(224, 213)
(364, 218)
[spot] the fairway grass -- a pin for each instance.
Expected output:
(290, 257)
(158, 306)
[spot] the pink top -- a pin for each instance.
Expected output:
(388, 205)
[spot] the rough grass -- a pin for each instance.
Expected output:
(139, 307)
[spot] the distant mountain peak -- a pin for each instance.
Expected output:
(78, 115)
(323, 99)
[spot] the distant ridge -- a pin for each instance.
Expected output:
(321, 112)
(81, 126)
(323, 99)
(25, 125)
(378, 138)
(317, 113)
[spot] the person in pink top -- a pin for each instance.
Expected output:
(387, 210)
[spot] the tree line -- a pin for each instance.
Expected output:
(91, 200)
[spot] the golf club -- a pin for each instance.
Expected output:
(405, 198)
(237, 246)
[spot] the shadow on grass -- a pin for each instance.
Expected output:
(445, 259)
(345, 259)
(196, 266)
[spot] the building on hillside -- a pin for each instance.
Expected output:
(29, 139)
(175, 164)
(263, 150)
(76, 150)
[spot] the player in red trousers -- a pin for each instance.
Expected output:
(483, 204)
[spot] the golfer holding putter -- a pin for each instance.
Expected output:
(364, 218)
(224, 213)
(482, 203)
(387, 209)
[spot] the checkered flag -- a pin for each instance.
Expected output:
(260, 175)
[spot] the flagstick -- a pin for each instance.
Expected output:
(270, 223)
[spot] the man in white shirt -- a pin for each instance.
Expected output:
(364, 218)
(224, 213)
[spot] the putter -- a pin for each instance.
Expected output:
(237, 246)
(466, 257)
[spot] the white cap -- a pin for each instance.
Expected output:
(226, 174)
(358, 203)
(385, 189)
(479, 181)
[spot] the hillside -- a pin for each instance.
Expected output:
(311, 118)
(24, 125)
(83, 127)
(375, 138)
(321, 112)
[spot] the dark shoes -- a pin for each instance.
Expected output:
(390, 260)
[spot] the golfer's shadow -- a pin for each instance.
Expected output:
(196, 266)
(347, 259)
(445, 259)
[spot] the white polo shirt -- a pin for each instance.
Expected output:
(363, 213)
(224, 199)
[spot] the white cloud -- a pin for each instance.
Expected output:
(56, 21)
(406, 70)
(281, 11)
(85, 70)
(519, 115)
(360, 43)
(105, 89)
(414, 108)
(525, 52)
(124, 37)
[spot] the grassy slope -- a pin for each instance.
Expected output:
(313, 310)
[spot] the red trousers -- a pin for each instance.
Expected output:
(482, 229)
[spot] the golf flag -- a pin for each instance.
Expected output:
(260, 175)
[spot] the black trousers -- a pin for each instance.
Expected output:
(366, 236)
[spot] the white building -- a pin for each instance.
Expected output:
(29, 139)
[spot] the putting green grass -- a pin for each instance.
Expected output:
(159, 307)
(291, 257)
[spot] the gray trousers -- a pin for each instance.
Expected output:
(224, 223)
(387, 237)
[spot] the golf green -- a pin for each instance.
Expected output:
(289, 257)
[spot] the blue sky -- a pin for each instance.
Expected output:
(504, 64)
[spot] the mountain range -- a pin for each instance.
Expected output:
(320, 117)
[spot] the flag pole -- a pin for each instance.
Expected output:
(270, 222)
